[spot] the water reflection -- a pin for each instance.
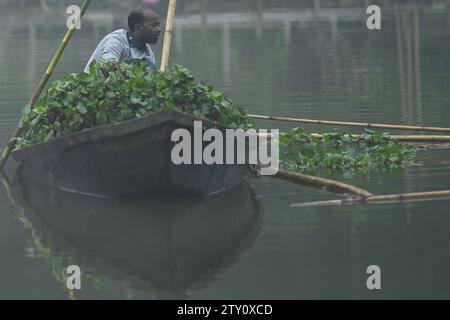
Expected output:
(407, 30)
(167, 246)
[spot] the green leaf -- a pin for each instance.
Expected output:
(27, 110)
(110, 95)
(81, 108)
(102, 118)
(216, 94)
(135, 100)
(50, 135)
(226, 104)
(92, 68)
(169, 104)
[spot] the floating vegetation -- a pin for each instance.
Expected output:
(303, 151)
(112, 93)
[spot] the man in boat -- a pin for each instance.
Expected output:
(131, 45)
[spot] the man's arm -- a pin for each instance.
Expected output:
(111, 50)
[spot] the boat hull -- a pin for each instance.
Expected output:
(128, 158)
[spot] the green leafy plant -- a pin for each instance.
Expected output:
(112, 93)
(303, 151)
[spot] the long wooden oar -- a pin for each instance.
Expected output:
(37, 92)
(168, 35)
(351, 124)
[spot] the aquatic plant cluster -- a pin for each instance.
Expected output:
(303, 151)
(112, 93)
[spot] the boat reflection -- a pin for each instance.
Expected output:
(166, 246)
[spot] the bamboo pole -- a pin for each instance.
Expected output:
(6, 151)
(351, 124)
(326, 203)
(415, 196)
(330, 185)
(380, 199)
(407, 138)
(421, 138)
(168, 35)
(37, 92)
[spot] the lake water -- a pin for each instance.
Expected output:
(314, 60)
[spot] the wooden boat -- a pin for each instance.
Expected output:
(127, 158)
(163, 245)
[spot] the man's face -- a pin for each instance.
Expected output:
(150, 29)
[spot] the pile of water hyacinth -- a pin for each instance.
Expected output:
(112, 93)
(303, 151)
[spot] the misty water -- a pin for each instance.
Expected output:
(301, 59)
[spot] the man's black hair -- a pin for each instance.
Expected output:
(136, 16)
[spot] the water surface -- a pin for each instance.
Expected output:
(273, 57)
